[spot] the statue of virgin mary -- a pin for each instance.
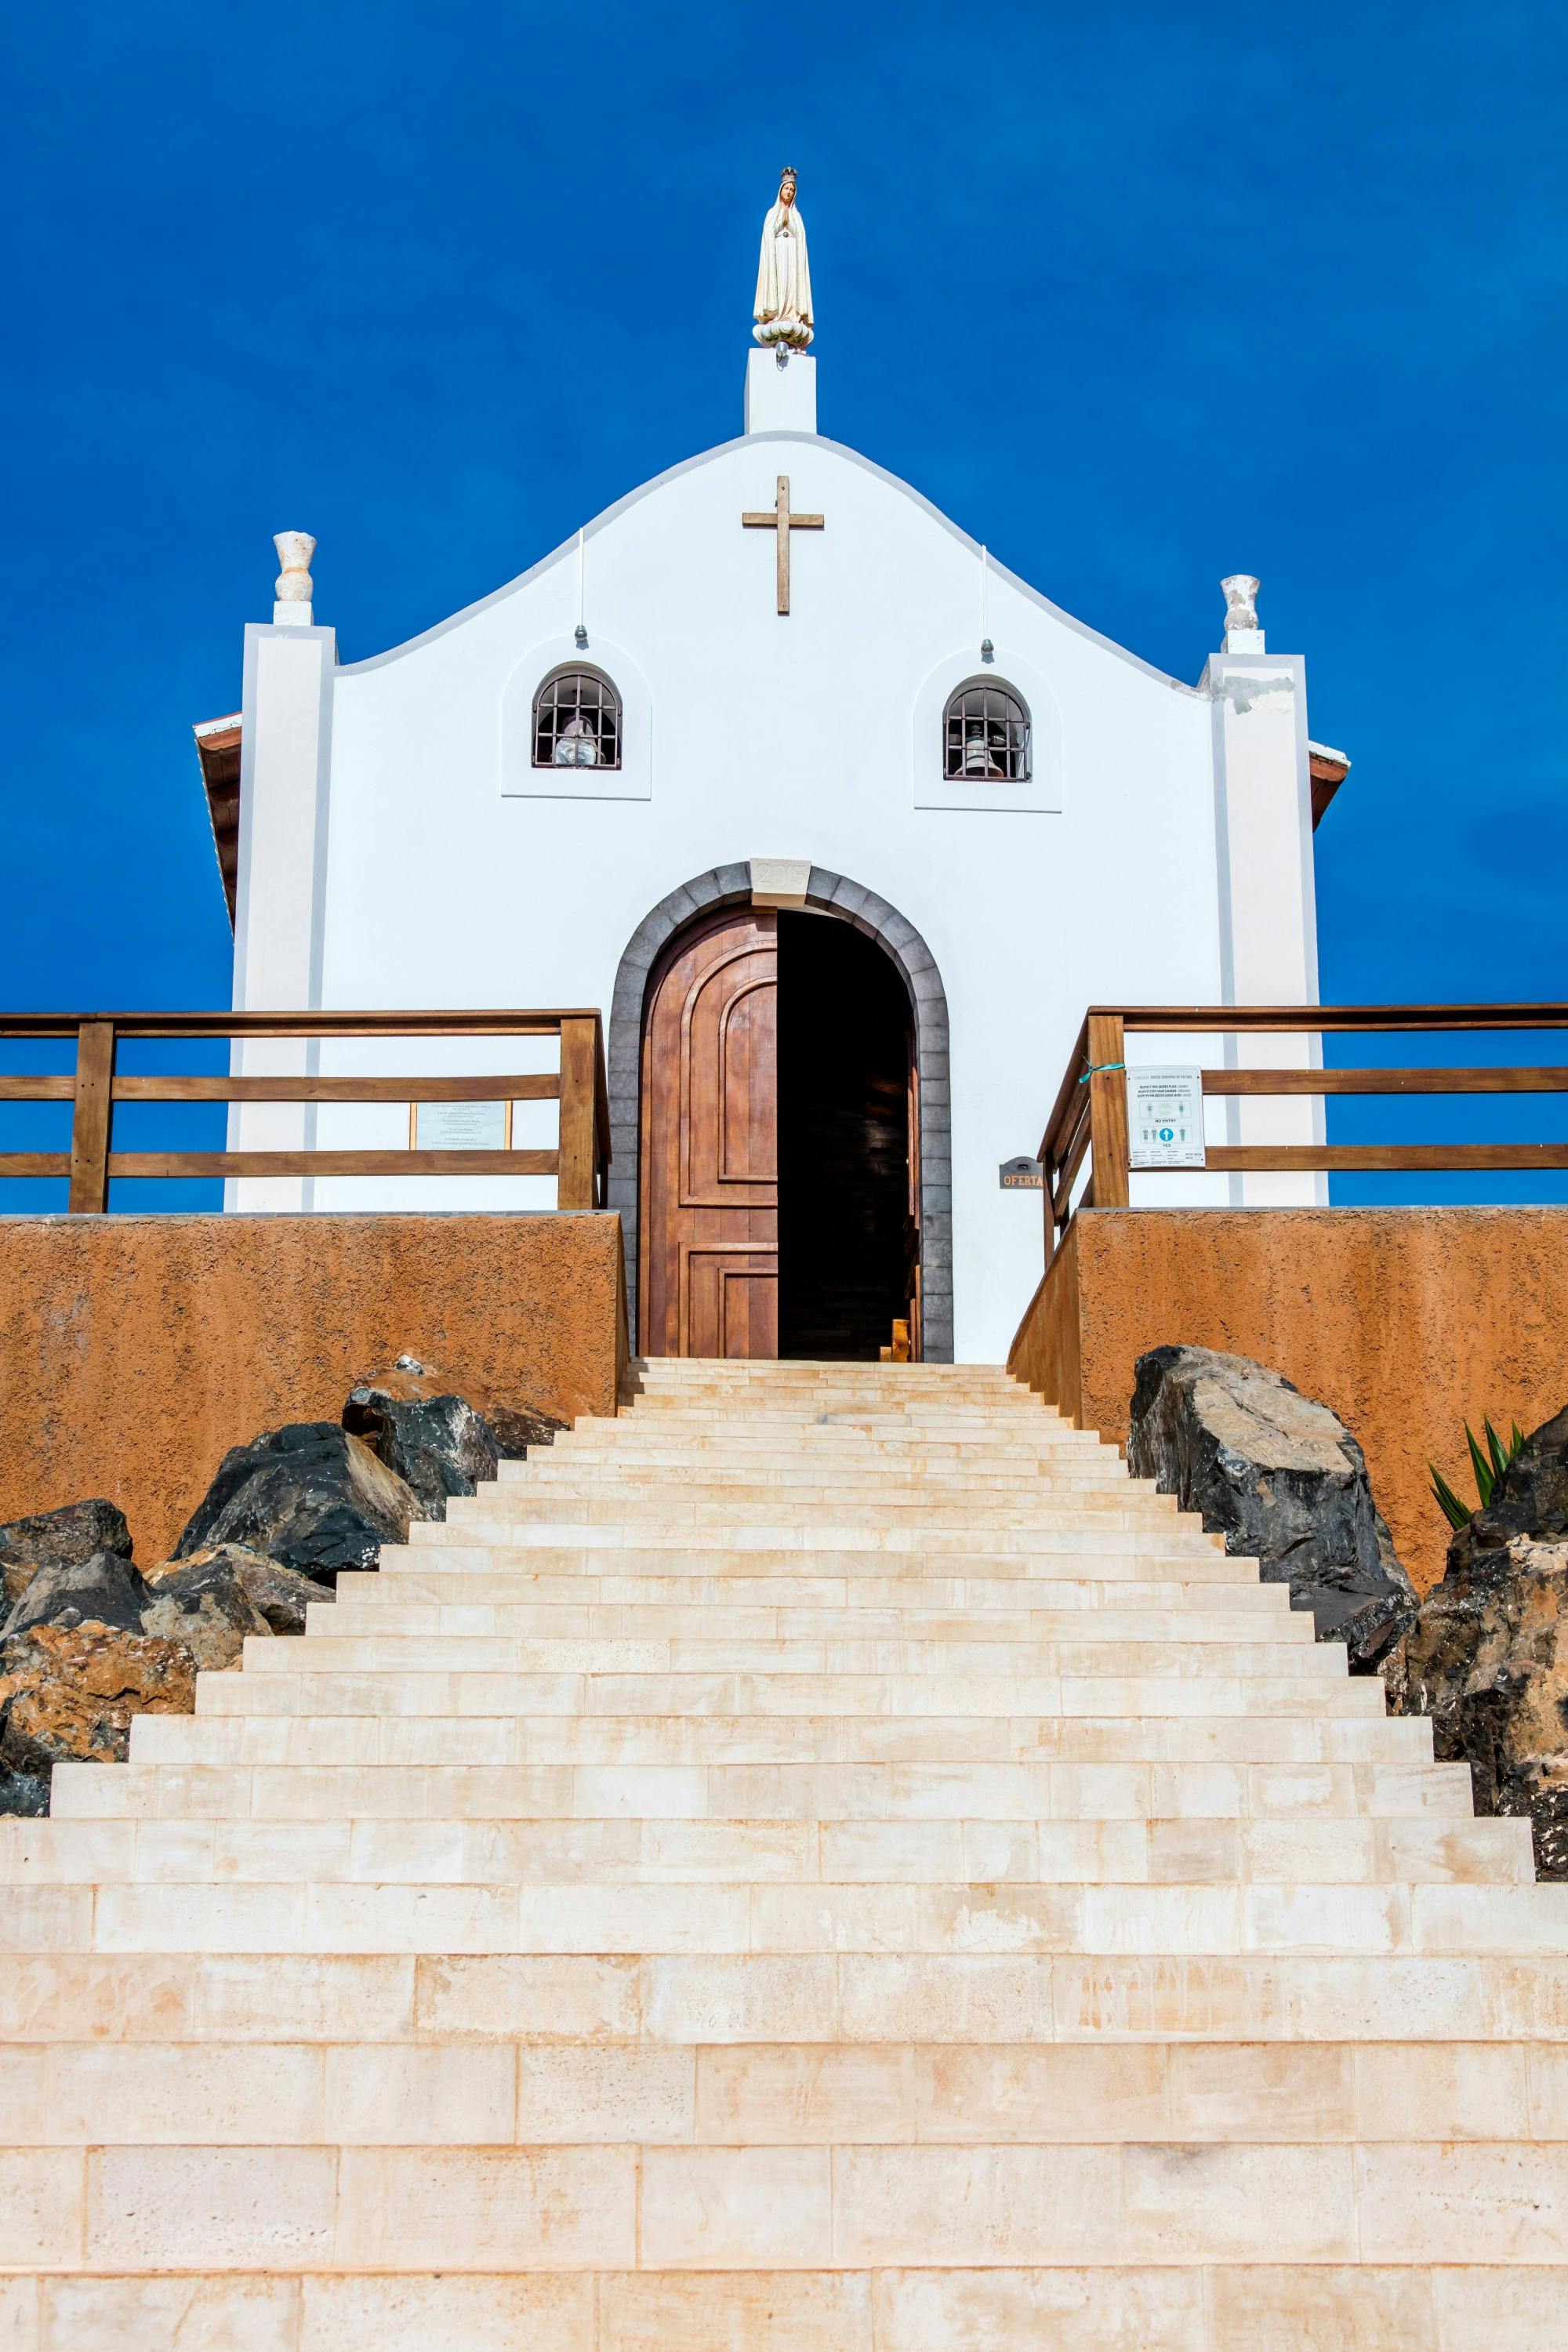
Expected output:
(782, 307)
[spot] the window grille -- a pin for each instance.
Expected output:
(576, 721)
(985, 735)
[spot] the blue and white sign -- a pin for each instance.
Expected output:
(1165, 1119)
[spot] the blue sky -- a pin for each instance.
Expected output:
(1140, 295)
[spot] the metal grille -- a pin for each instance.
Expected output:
(985, 734)
(577, 722)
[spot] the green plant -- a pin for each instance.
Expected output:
(1489, 1468)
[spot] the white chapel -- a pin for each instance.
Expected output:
(841, 825)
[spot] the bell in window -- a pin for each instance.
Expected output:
(978, 758)
(577, 745)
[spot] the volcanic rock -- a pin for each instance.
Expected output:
(311, 1496)
(68, 1536)
(514, 1426)
(69, 1693)
(440, 1445)
(106, 1589)
(1487, 1657)
(204, 1603)
(1285, 1482)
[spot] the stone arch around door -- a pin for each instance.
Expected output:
(731, 886)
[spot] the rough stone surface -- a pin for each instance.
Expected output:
(1487, 1657)
(514, 1426)
(278, 1594)
(438, 1444)
(204, 1603)
(1282, 1479)
(69, 1534)
(70, 1692)
(310, 1495)
(106, 1589)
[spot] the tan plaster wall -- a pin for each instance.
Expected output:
(1405, 1321)
(135, 1350)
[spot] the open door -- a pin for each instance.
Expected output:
(709, 1166)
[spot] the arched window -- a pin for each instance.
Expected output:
(576, 721)
(985, 734)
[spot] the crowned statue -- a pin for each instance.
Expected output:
(782, 307)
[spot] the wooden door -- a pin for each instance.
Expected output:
(709, 1143)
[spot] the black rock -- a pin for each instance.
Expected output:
(206, 1605)
(518, 1427)
(440, 1445)
(25, 1792)
(105, 1591)
(311, 1496)
(1487, 1657)
(1285, 1482)
(278, 1594)
(68, 1536)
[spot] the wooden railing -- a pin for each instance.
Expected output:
(96, 1086)
(1089, 1118)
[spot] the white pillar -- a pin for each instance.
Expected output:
(780, 392)
(279, 915)
(1268, 937)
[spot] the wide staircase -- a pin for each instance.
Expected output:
(822, 1863)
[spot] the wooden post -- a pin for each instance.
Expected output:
(1108, 1109)
(89, 1122)
(574, 1185)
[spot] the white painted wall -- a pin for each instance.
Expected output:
(451, 880)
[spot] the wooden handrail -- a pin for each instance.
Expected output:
(1088, 1117)
(578, 1164)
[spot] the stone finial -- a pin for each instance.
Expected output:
(293, 590)
(1242, 634)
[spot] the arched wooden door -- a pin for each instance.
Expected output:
(709, 1143)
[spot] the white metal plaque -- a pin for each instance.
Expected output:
(460, 1127)
(1165, 1119)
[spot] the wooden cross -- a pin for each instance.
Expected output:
(784, 522)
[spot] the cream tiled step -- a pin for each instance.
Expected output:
(559, 1948)
(1274, 1739)
(495, 1617)
(302, 1691)
(1202, 2308)
(930, 1839)
(839, 1920)
(431, 2094)
(1105, 1553)
(863, 1602)
(914, 1658)
(868, 1790)
(620, 2003)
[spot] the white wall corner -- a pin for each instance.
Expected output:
(1263, 825)
(780, 392)
(281, 895)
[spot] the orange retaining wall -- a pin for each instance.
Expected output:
(1406, 1322)
(135, 1350)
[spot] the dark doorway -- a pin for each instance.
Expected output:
(847, 1239)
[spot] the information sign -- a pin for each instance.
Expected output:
(1021, 1176)
(1165, 1119)
(461, 1127)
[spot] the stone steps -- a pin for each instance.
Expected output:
(498, 1739)
(914, 1659)
(921, 1842)
(869, 1789)
(836, 1919)
(822, 1863)
(299, 1690)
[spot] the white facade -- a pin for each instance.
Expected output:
(397, 849)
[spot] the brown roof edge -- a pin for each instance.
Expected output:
(217, 749)
(1330, 768)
